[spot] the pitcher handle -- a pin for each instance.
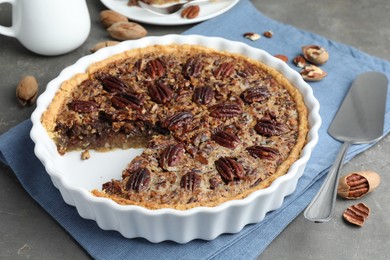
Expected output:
(8, 31)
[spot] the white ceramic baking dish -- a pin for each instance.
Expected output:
(75, 178)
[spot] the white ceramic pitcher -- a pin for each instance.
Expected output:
(49, 27)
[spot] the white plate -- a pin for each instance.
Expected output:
(137, 14)
(74, 177)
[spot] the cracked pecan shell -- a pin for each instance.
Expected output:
(357, 214)
(358, 184)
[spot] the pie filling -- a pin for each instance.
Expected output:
(216, 126)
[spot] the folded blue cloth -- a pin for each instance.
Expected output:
(345, 63)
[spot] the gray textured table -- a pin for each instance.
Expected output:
(27, 232)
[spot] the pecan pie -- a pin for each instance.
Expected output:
(215, 126)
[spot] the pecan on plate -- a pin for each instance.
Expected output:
(190, 12)
(229, 169)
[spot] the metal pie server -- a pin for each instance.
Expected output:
(360, 119)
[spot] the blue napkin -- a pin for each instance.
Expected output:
(345, 63)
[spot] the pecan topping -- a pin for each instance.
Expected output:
(155, 68)
(229, 169)
(190, 181)
(177, 120)
(192, 68)
(125, 100)
(267, 127)
(263, 152)
(81, 106)
(203, 95)
(255, 94)
(224, 70)
(225, 139)
(357, 214)
(159, 92)
(112, 187)
(138, 180)
(190, 12)
(113, 84)
(225, 110)
(171, 156)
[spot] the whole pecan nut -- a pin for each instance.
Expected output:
(357, 214)
(203, 95)
(139, 180)
(82, 106)
(225, 110)
(263, 152)
(229, 169)
(171, 156)
(357, 184)
(226, 139)
(190, 12)
(159, 92)
(255, 94)
(190, 181)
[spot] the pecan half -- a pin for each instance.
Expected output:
(112, 187)
(190, 181)
(113, 84)
(224, 70)
(357, 184)
(192, 68)
(229, 169)
(203, 95)
(139, 180)
(267, 127)
(252, 36)
(177, 120)
(281, 57)
(225, 110)
(190, 12)
(255, 94)
(126, 100)
(171, 156)
(226, 139)
(357, 214)
(263, 152)
(155, 68)
(299, 61)
(159, 92)
(82, 106)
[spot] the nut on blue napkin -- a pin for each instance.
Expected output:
(16, 150)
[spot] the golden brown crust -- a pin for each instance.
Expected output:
(195, 198)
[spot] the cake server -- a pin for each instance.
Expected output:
(360, 119)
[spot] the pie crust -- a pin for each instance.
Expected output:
(216, 126)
